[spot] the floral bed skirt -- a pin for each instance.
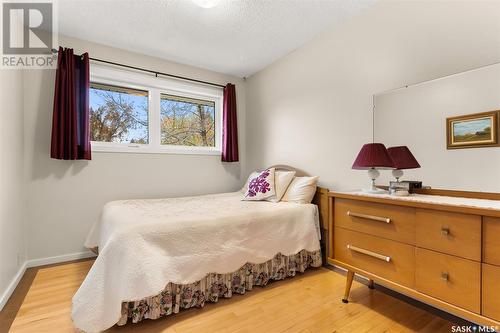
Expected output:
(184, 296)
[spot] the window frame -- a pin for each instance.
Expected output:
(155, 86)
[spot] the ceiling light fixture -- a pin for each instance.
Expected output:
(206, 3)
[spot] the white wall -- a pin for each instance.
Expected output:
(416, 117)
(12, 208)
(64, 198)
(312, 109)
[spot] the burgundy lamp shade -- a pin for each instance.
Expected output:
(402, 158)
(373, 156)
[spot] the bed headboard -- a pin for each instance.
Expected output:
(284, 167)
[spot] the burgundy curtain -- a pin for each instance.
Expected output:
(229, 125)
(70, 121)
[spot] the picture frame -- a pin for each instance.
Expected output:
(475, 130)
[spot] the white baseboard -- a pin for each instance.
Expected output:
(12, 286)
(35, 263)
(59, 259)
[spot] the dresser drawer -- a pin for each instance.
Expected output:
(449, 278)
(388, 259)
(451, 233)
(491, 291)
(387, 221)
(491, 240)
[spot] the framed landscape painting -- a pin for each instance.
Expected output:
(473, 131)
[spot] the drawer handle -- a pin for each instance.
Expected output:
(369, 253)
(445, 231)
(445, 276)
(369, 217)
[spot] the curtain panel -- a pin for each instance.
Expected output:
(229, 125)
(70, 121)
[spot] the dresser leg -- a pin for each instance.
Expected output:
(348, 284)
(371, 284)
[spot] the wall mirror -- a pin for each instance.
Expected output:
(416, 116)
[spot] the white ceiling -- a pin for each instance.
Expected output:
(237, 37)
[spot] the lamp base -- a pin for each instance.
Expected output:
(374, 191)
(373, 174)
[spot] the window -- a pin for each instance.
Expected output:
(134, 112)
(118, 114)
(187, 121)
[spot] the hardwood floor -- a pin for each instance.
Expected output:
(310, 302)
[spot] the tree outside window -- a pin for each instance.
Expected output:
(118, 114)
(187, 121)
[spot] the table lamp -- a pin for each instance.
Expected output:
(371, 157)
(402, 158)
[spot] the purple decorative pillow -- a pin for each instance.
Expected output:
(261, 187)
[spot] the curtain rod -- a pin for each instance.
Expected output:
(156, 73)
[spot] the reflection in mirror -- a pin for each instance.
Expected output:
(416, 117)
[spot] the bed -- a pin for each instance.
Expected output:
(194, 250)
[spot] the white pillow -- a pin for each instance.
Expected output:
(301, 190)
(261, 187)
(252, 176)
(281, 180)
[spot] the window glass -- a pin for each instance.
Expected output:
(187, 121)
(118, 114)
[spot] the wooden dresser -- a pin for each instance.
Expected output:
(443, 251)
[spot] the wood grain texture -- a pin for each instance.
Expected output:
(491, 241)
(410, 292)
(461, 287)
(400, 228)
(399, 202)
(491, 291)
(331, 213)
(461, 294)
(458, 193)
(401, 267)
(293, 305)
(8, 313)
(451, 233)
(348, 286)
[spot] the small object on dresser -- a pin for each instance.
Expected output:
(398, 190)
(408, 185)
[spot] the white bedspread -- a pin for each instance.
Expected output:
(144, 244)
